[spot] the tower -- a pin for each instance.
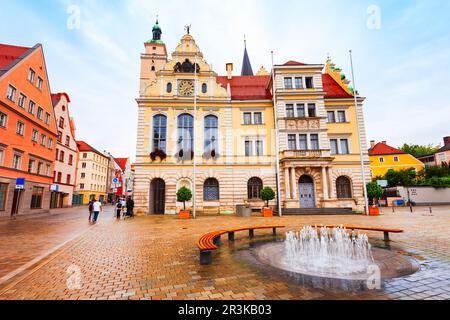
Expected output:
(246, 65)
(154, 58)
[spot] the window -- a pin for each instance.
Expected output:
(47, 118)
(83, 175)
(312, 110)
(40, 113)
(81, 186)
(22, 100)
(40, 83)
(290, 111)
(2, 156)
(344, 146)
(247, 118)
(301, 112)
(341, 117)
(169, 87)
(211, 133)
(3, 119)
(50, 143)
(11, 95)
(396, 159)
(59, 177)
(61, 156)
(47, 170)
(84, 155)
(298, 83)
(292, 142)
(61, 122)
(204, 88)
(68, 179)
(67, 141)
(36, 198)
(31, 75)
(185, 134)
(59, 136)
(153, 68)
(39, 168)
(17, 162)
(3, 193)
(34, 135)
(259, 146)
(83, 165)
(31, 107)
(257, 118)
(288, 83)
(43, 139)
(20, 128)
(303, 139)
(254, 187)
(211, 190)
(334, 146)
(248, 148)
(309, 82)
(331, 117)
(343, 188)
(159, 133)
(31, 165)
(57, 154)
(70, 160)
(381, 160)
(315, 142)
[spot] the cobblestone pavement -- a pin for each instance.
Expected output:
(156, 258)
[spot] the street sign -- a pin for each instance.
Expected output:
(20, 183)
(54, 188)
(382, 183)
(115, 180)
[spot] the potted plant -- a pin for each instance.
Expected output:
(267, 194)
(374, 192)
(184, 195)
(158, 153)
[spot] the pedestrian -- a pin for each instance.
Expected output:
(124, 206)
(91, 209)
(118, 209)
(130, 207)
(98, 207)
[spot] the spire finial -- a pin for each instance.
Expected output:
(245, 41)
(188, 28)
(157, 19)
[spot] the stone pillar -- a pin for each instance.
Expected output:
(294, 185)
(332, 194)
(287, 184)
(325, 184)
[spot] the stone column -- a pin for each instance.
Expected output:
(294, 185)
(325, 184)
(287, 184)
(332, 195)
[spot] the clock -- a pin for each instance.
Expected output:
(186, 88)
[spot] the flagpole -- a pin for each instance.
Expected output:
(363, 170)
(277, 140)
(194, 142)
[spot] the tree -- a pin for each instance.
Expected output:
(184, 195)
(267, 194)
(405, 177)
(419, 150)
(374, 191)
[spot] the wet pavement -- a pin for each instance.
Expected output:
(156, 258)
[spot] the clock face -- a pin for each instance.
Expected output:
(186, 88)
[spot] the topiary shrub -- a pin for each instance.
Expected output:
(374, 191)
(267, 194)
(184, 195)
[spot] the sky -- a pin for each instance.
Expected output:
(401, 54)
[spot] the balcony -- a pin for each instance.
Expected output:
(312, 123)
(305, 154)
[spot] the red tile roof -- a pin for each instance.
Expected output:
(84, 147)
(122, 162)
(247, 87)
(57, 96)
(8, 54)
(333, 89)
(381, 149)
(294, 63)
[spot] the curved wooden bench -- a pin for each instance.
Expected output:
(386, 231)
(211, 241)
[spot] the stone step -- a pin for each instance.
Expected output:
(318, 211)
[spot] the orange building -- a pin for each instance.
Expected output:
(28, 133)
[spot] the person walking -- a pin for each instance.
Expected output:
(124, 206)
(91, 209)
(130, 207)
(118, 209)
(98, 207)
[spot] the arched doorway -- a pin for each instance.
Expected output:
(158, 197)
(306, 192)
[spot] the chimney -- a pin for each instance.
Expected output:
(229, 71)
(446, 141)
(384, 142)
(372, 144)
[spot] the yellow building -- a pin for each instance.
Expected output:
(92, 174)
(233, 137)
(384, 158)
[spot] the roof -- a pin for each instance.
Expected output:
(57, 96)
(122, 163)
(333, 89)
(247, 87)
(444, 148)
(84, 147)
(294, 63)
(381, 149)
(246, 65)
(9, 54)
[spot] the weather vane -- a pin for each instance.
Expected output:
(188, 29)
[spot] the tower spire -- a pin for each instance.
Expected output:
(246, 64)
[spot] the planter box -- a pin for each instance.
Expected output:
(267, 212)
(374, 211)
(185, 214)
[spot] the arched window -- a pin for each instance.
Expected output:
(344, 188)
(211, 190)
(185, 135)
(169, 87)
(254, 188)
(211, 134)
(153, 68)
(204, 88)
(159, 132)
